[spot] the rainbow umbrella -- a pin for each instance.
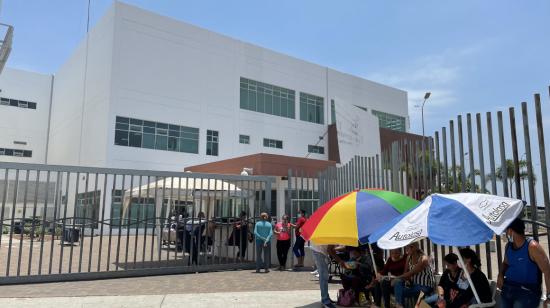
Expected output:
(351, 218)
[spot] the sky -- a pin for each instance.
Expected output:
(474, 56)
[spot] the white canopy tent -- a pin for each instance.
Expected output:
(183, 189)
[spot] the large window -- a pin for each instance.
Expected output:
(17, 103)
(266, 98)
(391, 121)
(15, 152)
(311, 108)
(272, 143)
(212, 142)
(316, 149)
(244, 139)
(155, 135)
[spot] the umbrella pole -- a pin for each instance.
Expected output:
(372, 257)
(468, 277)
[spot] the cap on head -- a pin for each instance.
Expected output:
(517, 226)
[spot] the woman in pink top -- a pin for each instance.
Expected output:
(282, 229)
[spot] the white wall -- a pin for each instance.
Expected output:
(169, 71)
(21, 124)
(79, 127)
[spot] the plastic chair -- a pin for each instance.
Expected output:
(491, 304)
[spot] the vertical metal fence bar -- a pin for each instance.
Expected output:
(92, 223)
(74, 221)
(453, 158)
(148, 221)
(431, 177)
(530, 174)
(102, 222)
(111, 212)
(515, 155)
(542, 156)
(83, 221)
(25, 192)
(502, 150)
(471, 162)
(377, 171)
(438, 162)
(155, 218)
(438, 180)
(161, 221)
(123, 196)
(130, 222)
(424, 168)
(54, 220)
(445, 162)
(64, 224)
(4, 199)
(33, 228)
(462, 154)
(139, 220)
(43, 224)
(15, 187)
(482, 186)
(493, 177)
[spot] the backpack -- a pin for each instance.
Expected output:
(346, 298)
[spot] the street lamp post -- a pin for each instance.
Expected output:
(426, 96)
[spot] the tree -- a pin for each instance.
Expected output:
(510, 173)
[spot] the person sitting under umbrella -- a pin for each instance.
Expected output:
(418, 277)
(358, 273)
(394, 266)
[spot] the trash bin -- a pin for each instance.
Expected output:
(70, 236)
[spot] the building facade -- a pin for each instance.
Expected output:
(145, 91)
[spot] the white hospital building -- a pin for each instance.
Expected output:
(144, 91)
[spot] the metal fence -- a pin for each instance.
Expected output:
(482, 155)
(67, 223)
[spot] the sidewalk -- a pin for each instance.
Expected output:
(230, 288)
(304, 298)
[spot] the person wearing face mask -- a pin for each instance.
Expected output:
(520, 277)
(448, 287)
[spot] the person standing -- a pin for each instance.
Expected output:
(321, 255)
(263, 231)
(299, 244)
(282, 229)
(239, 236)
(520, 276)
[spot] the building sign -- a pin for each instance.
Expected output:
(358, 132)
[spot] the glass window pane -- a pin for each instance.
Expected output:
(121, 137)
(244, 99)
(136, 121)
(252, 101)
(148, 141)
(173, 144)
(161, 142)
(135, 139)
(121, 126)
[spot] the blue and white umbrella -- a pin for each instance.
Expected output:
(461, 219)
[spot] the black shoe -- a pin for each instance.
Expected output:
(331, 305)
